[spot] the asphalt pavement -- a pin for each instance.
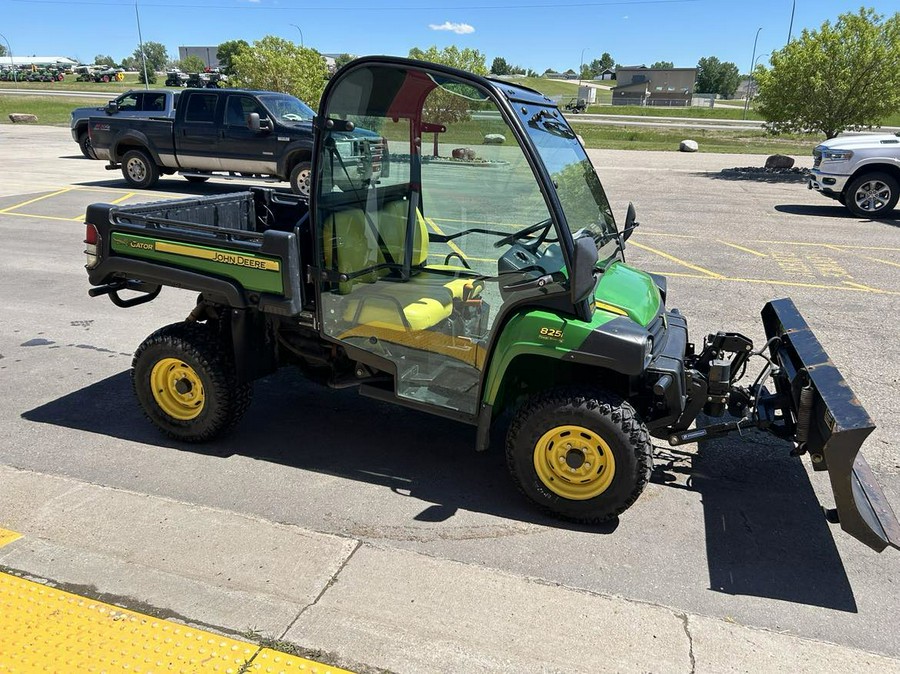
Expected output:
(421, 543)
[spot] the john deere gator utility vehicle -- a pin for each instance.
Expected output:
(466, 284)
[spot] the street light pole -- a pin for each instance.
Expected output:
(752, 65)
(141, 45)
(301, 34)
(581, 65)
(12, 65)
(791, 27)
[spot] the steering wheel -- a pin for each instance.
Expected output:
(531, 229)
(291, 117)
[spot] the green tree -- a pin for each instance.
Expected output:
(342, 59)
(191, 64)
(226, 52)
(276, 64)
(151, 74)
(499, 66)
(130, 62)
(450, 103)
(841, 77)
(104, 60)
(717, 77)
(606, 61)
(468, 59)
(662, 65)
(156, 56)
(2, 50)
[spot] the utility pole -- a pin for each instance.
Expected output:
(791, 27)
(141, 44)
(581, 65)
(750, 80)
(12, 65)
(301, 34)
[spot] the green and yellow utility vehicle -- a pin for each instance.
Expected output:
(483, 277)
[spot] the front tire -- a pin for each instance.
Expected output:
(84, 144)
(139, 170)
(185, 385)
(872, 195)
(579, 454)
(196, 179)
(301, 179)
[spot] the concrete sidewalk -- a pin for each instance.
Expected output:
(361, 606)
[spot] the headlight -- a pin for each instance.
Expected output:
(648, 350)
(837, 155)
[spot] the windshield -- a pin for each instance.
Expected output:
(286, 108)
(577, 185)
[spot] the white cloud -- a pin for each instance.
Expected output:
(458, 28)
(625, 18)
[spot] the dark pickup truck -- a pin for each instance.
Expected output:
(231, 132)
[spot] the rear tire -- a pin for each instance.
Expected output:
(872, 195)
(186, 384)
(139, 170)
(579, 454)
(301, 179)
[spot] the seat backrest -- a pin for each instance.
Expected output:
(347, 247)
(392, 219)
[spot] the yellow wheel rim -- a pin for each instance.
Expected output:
(574, 462)
(177, 389)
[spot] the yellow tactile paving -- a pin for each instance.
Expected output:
(7, 536)
(43, 629)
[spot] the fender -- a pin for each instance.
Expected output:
(133, 137)
(295, 147)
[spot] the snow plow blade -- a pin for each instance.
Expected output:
(830, 423)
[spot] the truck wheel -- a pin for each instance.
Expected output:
(139, 169)
(185, 384)
(872, 195)
(84, 143)
(300, 179)
(581, 455)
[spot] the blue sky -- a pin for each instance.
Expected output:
(536, 34)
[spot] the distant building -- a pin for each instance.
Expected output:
(58, 61)
(607, 74)
(640, 85)
(205, 54)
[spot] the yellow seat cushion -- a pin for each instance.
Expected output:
(398, 306)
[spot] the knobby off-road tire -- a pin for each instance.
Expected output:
(139, 169)
(580, 454)
(186, 383)
(872, 195)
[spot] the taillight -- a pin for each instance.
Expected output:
(91, 241)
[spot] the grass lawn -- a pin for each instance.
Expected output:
(745, 142)
(659, 111)
(50, 110)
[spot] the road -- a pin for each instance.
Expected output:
(732, 530)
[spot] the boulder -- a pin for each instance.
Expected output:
(494, 139)
(688, 146)
(465, 153)
(21, 118)
(779, 161)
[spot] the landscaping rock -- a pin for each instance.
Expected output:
(779, 161)
(494, 139)
(688, 146)
(466, 153)
(21, 118)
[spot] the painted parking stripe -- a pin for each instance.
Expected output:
(80, 218)
(743, 248)
(707, 272)
(36, 199)
(7, 537)
(45, 629)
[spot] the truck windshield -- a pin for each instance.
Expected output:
(577, 185)
(286, 108)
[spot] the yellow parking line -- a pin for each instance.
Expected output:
(853, 287)
(825, 245)
(746, 250)
(39, 217)
(437, 230)
(481, 222)
(31, 201)
(709, 273)
(80, 218)
(875, 259)
(45, 629)
(7, 536)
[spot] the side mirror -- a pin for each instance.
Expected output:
(630, 223)
(582, 278)
(112, 108)
(253, 122)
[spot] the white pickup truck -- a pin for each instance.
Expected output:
(862, 172)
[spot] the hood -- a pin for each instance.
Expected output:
(628, 291)
(861, 141)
